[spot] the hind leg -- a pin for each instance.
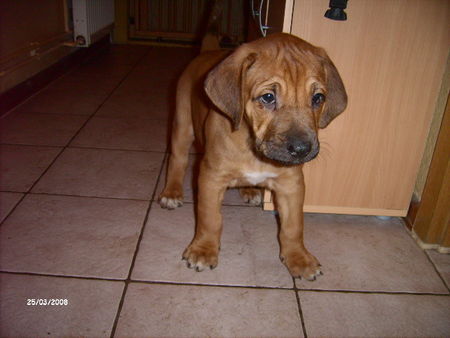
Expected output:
(252, 196)
(182, 139)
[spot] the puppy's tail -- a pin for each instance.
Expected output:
(211, 39)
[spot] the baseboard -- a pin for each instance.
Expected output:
(19, 93)
(427, 246)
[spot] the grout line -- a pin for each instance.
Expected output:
(437, 270)
(36, 113)
(136, 251)
(37, 274)
(300, 311)
(235, 286)
(374, 292)
(136, 117)
(128, 280)
(101, 279)
(410, 233)
(81, 147)
(91, 197)
(24, 193)
(13, 208)
(146, 219)
(119, 149)
(110, 117)
(295, 288)
(31, 145)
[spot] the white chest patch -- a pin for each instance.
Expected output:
(256, 177)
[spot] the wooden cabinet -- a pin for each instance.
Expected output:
(391, 55)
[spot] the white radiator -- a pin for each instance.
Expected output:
(92, 20)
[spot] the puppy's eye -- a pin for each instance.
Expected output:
(318, 99)
(268, 98)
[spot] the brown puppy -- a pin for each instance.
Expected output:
(257, 113)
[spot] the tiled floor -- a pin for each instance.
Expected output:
(82, 163)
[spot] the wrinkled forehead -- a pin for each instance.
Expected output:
(286, 66)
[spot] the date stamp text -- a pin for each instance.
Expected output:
(47, 302)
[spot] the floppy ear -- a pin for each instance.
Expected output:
(224, 85)
(336, 100)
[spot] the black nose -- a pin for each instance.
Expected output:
(299, 148)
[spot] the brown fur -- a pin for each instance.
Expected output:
(250, 141)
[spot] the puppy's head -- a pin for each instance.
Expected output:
(285, 89)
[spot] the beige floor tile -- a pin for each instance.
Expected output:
(21, 166)
(8, 201)
(375, 315)
(149, 90)
(367, 254)
(201, 311)
(39, 129)
(129, 134)
(102, 71)
(119, 55)
(58, 235)
(82, 84)
(137, 103)
(91, 310)
(100, 75)
(95, 78)
(249, 253)
(442, 263)
(62, 101)
(166, 59)
(232, 196)
(112, 63)
(102, 173)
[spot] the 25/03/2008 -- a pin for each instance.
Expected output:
(47, 302)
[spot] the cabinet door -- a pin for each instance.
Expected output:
(391, 55)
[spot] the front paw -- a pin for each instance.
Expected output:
(171, 199)
(301, 264)
(200, 256)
